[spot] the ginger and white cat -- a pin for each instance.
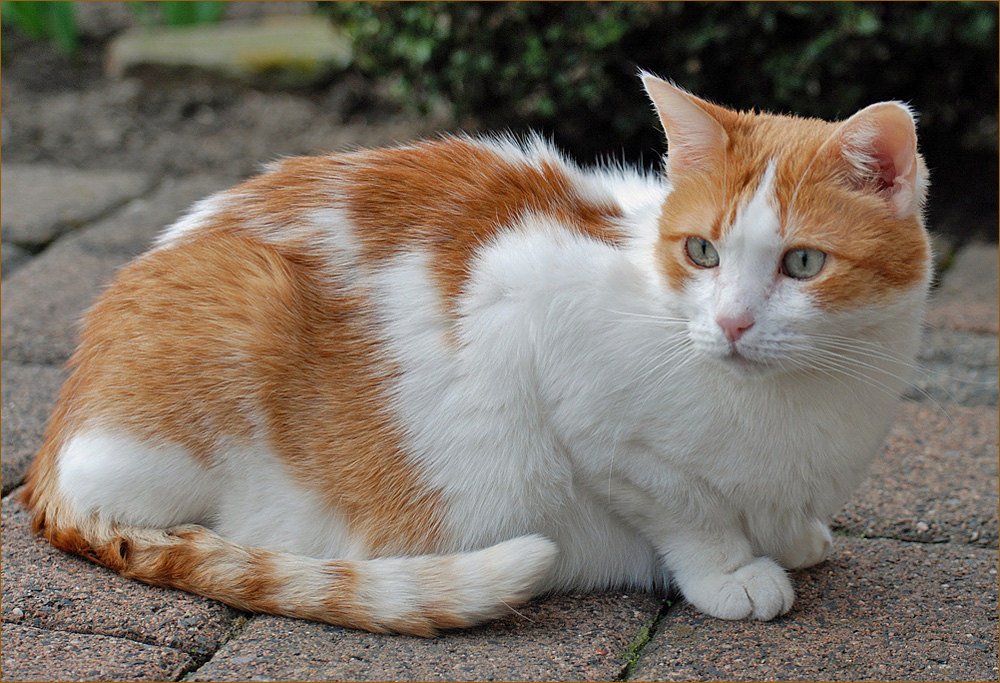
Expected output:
(404, 389)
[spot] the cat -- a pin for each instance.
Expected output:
(405, 389)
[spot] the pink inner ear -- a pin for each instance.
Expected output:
(884, 174)
(880, 143)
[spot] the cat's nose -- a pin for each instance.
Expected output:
(735, 326)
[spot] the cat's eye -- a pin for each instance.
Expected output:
(803, 264)
(701, 252)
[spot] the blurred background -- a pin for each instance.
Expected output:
(567, 69)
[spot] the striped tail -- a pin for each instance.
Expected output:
(417, 595)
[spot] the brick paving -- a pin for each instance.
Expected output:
(909, 593)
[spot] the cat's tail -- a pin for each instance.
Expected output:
(417, 595)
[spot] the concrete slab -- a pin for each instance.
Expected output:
(42, 202)
(564, 638)
(12, 256)
(44, 299)
(284, 51)
(28, 395)
(48, 589)
(967, 297)
(131, 231)
(935, 481)
(879, 610)
(34, 654)
(975, 274)
(956, 366)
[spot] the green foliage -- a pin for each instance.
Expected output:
(178, 13)
(55, 21)
(570, 68)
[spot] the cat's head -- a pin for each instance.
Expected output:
(782, 232)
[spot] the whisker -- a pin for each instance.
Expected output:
(647, 316)
(848, 367)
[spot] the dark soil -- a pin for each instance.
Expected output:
(65, 111)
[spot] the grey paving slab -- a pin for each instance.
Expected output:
(34, 654)
(574, 638)
(878, 609)
(974, 273)
(12, 256)
(131, 230)
(41, 201)
(45, 588)
(43, 300)
(956, 366)
(27, 394)
(967, 297)
(936, 480)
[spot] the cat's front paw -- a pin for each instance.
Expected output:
(759, 589)
(811, 548)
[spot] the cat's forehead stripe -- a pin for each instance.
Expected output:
(756, 222)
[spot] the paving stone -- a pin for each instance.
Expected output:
(576, 638)
(41, 202)
(12, 256)
(956, 366)
(44, 299)
(33, 654)
(131, 230)
(45, 588)
(28, 395)
(974, 273)
(935, 481)
(878, 610)
(967, 297)
(296, 51)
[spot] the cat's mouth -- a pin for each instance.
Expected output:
(740, 361)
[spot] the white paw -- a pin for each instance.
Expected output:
(812, 547)
(759, 589)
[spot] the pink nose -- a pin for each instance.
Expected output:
(735, 326)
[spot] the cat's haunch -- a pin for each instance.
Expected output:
(405, 389)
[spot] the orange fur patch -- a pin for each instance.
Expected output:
(451, 197)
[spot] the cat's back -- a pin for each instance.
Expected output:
(311, 316)
(448, 197)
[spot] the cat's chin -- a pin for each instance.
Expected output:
(745, 365)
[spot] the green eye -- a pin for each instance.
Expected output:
(701, 252)
(803, 264)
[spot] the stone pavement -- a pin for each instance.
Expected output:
(910, 592)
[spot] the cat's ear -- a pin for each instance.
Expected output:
(695, 136)
(879, 146)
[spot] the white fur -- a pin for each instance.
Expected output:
(121, 478)
(194, 219)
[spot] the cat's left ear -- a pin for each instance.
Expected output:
(696, 138)
(879, 145)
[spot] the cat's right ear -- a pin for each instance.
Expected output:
(695, 137)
